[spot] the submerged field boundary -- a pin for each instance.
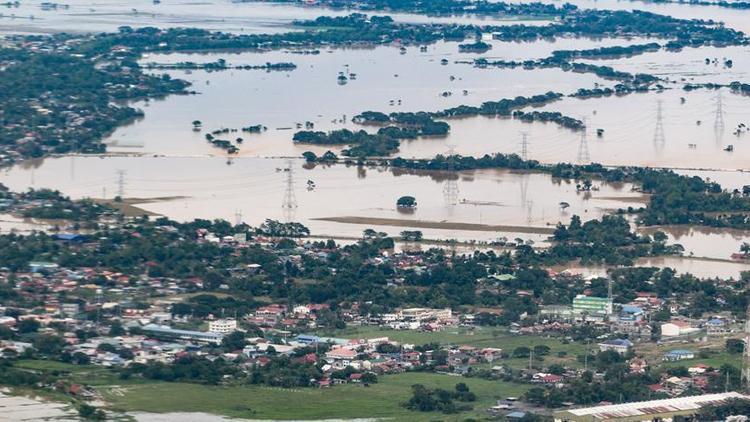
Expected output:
(442, 225)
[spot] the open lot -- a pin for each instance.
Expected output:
(381, 400)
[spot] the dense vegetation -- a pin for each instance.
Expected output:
(55, 102)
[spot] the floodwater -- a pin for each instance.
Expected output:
(688, 65)
(238, 98)
(202, 185)
(728, 179)
(256, 187)
(215, 15)
(732, 18)
(13, 224)
(705, 241)
(701, 268)
(281, 100)
(249, 17)
(690, 137)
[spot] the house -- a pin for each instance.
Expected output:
(678, 354)
(341, 357)
(621, 346)
(716, 326)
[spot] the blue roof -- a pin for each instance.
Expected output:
(515, 415)
(715, 321)
(619, 342)
(631, 309)
(680, 352)
(69, 236)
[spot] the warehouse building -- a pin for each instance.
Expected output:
(646, 411)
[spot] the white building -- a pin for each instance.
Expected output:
(423, 314)
(222, 326)
(646, 411)
(677, 328)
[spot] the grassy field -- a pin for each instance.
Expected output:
(347, 401)
(479, 337)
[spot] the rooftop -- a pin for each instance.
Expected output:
(652, 407)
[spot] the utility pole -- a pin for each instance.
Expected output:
(531, 357)
(659, 138)
(450, 187)
(583, 146)
(746, 353)
(289, 204)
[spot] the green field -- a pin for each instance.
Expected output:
(381, 400)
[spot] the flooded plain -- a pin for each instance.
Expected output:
(193, 180)
(705, 241)
(238, 16)
(216, 15)
(386, 81)
(336, 200)
(699, 267)
(416, 81)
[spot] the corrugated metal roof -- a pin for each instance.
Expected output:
(654, 407)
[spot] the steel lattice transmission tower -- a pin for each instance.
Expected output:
(529, 212)
(525, 145)
(659, 139)
(121, 183)
(450, 187)
(719, 117)
(583, 146)
(289, 204)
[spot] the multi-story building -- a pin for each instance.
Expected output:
(423, 314)
(592, 306)
(222, 326)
